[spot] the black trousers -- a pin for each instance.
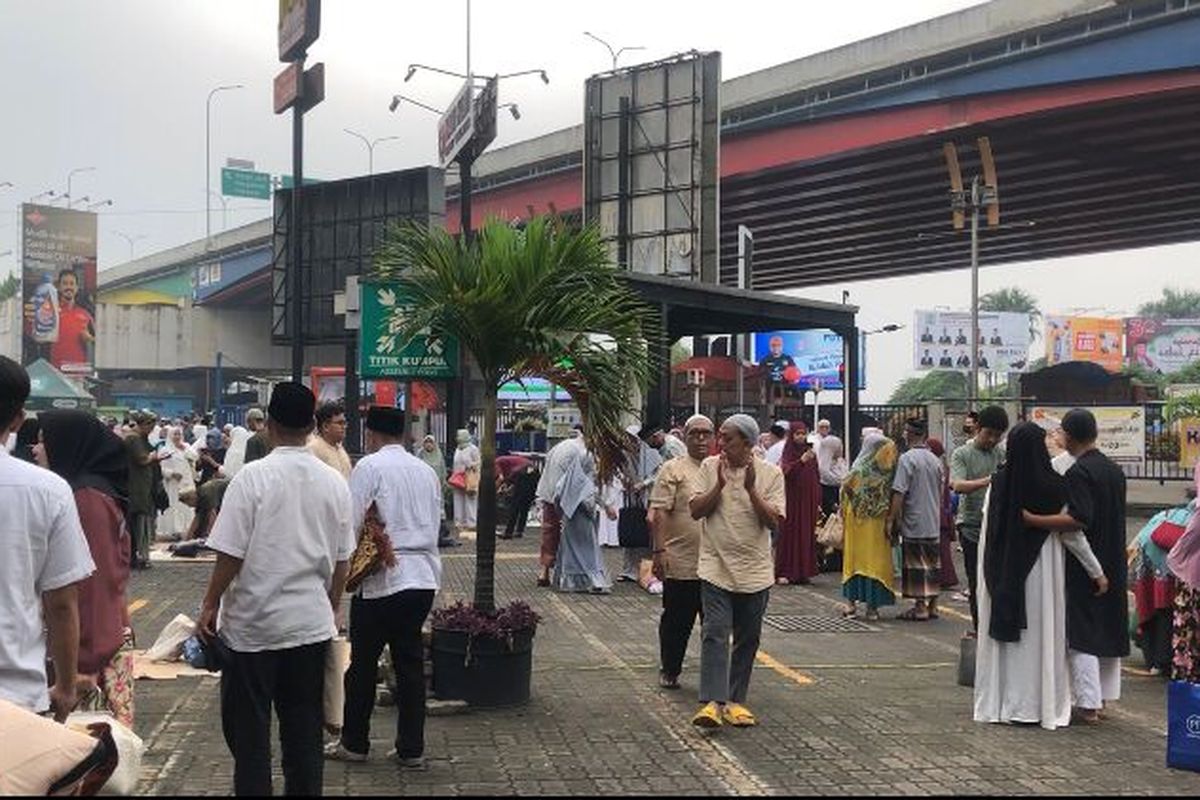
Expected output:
(396, 621)
(524, 493)
(970, 560)
(830, 495)
(293, 681)
(681, 607)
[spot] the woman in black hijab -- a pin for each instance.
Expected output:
(91, 458)
(1021, 666)
(1026, 480)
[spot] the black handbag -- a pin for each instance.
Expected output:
(633, 528)
(158, 490)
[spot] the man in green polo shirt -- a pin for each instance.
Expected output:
(971, 468)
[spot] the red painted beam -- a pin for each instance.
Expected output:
(805, 141)
(564, 190)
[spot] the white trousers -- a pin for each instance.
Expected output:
(465, 506)
(1094, 680)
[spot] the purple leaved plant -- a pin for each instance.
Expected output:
(517, 617)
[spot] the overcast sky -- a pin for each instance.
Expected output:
(121, 85)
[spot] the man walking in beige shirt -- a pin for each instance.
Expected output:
(739, 501)
(677, 547)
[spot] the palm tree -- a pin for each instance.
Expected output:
(1016, 300)
(540, 302)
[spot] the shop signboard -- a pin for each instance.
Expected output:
(383, 354)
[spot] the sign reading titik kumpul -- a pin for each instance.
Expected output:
(384, 355)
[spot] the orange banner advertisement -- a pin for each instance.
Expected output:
(1093, 339)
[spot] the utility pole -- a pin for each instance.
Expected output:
(299, 27)
(982, 195)
(294, 222)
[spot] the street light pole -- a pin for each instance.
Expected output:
(976, 203)
(131, 239)
(71, 175)
(370, 147)
(616, 54)
(208, 157)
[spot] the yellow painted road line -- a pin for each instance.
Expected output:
(767, 660)
(941, 609)
(138, 605)
(499, 556)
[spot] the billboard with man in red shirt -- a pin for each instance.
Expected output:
(59, 270)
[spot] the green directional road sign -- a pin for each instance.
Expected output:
(244, 183)
(383, 355)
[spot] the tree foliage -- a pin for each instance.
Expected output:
(1015, 300)
(1174, 304)
(938, 384)
(9, 287)
(541, 302)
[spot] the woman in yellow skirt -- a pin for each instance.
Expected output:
(867, 569)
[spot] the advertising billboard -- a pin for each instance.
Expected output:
(1162, 345)
(651, 141)
(942, 340)
(800, 359)
(1122, 429)
(1093, 339)
(59, 271)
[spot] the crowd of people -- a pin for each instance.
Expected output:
(712, 517)
(80, 501)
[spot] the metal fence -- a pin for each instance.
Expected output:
(890, 418)
(1161, 461)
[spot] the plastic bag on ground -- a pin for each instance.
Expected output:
(169, 644)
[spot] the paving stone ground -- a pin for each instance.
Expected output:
(875, 712)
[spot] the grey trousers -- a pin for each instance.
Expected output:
(724, 678)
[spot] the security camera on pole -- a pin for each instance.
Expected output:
(299, 90)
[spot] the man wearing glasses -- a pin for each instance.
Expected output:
(326, 443)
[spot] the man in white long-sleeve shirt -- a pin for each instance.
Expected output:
(391, 605)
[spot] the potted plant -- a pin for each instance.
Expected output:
(484, 658)
(546, 302)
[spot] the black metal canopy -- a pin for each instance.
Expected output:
(697, 309)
